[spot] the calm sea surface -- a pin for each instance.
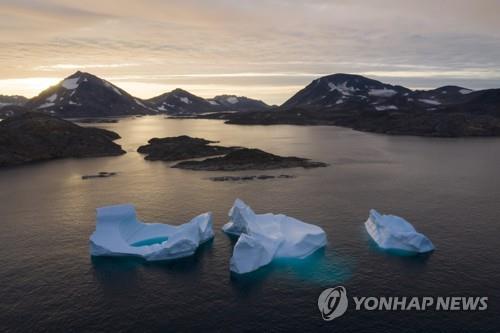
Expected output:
(448, 188)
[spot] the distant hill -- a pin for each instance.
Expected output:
(12, 100)
(180, 102)
(11, 110)
(237, 103)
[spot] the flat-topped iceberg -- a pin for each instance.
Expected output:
(119, 233)
(395, 233)
(263, 237)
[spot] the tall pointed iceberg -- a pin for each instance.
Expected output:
(263, 237)
(395, 233)
(119, 233)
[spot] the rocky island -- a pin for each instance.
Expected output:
(181, 148)
(34, 136)
(248, 159)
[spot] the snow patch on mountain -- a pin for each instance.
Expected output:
(109, 85)
(429, 101)
(71, 84)
(386, 107)
(45, 105)
(139, 102)
(382, 92)
(52, 98)
(232, 100)
(465, 91)
(342, 88)
(185, 100)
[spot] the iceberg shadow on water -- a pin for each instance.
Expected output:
(395, 254)
(115, 274)
(321, 268)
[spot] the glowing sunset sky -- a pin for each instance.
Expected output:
(261, 49)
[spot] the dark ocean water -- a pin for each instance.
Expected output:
(448, 188)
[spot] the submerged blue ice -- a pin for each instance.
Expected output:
(119, 233)
(395, 233)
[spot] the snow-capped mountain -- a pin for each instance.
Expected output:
(85, 95)
(237, 103)
(342, 92)
(179, 102)
(343, 89)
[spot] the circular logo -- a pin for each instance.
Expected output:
(332, 303)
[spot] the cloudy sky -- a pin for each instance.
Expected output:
(266, 49)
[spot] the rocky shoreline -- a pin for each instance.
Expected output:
(246, 178)
(249, 159)
(34, 136)
(447, 123)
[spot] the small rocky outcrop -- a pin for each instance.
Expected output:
(102, 174)
(181, 148)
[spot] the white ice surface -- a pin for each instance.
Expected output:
(395, 233)
(119, 233)
(263, 237)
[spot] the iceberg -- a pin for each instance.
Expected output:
(264, 237)
(395, 233)
(119, 233)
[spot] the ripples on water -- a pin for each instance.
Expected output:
(448, 188)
